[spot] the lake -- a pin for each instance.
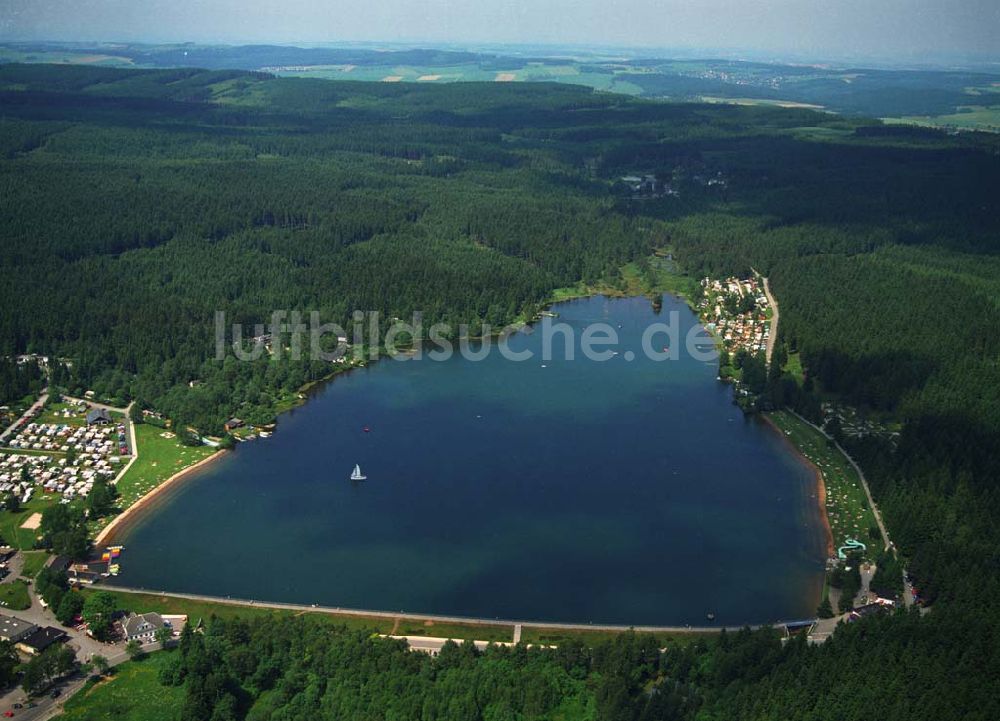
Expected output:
(577, 490)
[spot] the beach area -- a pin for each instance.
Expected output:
(148, 502)
(820, 481)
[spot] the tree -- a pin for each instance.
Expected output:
(134, 649)
(12, 503)
(825, 610)
(98, 611)
(100, 664)
(8, 663)
(101, 499)
(754, 371)
(33, 676)
(51, 585)
(64, 530)
(52, 663)
(63, 660)
(74, 542)
(163, 635)
(69, 607)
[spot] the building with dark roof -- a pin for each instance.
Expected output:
(59, 563)
(98, 416)
(41, 639)
(14, 629)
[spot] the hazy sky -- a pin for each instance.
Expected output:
(909, 28)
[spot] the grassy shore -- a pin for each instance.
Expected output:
(404, 626)
(160, 456)
(556, 636)
(846, 504)
(661, 276)
(195, 610)
(400, 626)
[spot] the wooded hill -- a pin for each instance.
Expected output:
(136, 203)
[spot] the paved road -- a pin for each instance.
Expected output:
(37, 405)
(84, 646)
(773, 338)
(14, 565)
(824, 628)
(95, 404)
(433, 645)
(867, 572)
(46, 706)
(133, 446)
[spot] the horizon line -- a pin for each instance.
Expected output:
(656, 52)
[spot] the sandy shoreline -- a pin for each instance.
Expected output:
(121, 521)
(820, 484)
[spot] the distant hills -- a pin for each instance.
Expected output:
(958, 99)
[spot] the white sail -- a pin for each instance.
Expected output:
(356, 474)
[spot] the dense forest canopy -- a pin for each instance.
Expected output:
(136, 203)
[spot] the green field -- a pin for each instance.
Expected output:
(132, 693)
(11, 55)
(846, 503)
(54, 413)
(793, 366)
(530, 72)
(14, 595)
(160, 456)
(557, 636)
(10, 523)
(966, 117)
(660, 275)
(434, 629)
(195, 610)
(141, 602)
(33, 562)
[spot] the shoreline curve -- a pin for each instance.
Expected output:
(468, 620)
(122, 520)
(820, 482)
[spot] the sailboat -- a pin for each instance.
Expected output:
(356, 474)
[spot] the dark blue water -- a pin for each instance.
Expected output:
(618, 492)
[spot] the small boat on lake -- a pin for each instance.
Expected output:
(356, 474)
